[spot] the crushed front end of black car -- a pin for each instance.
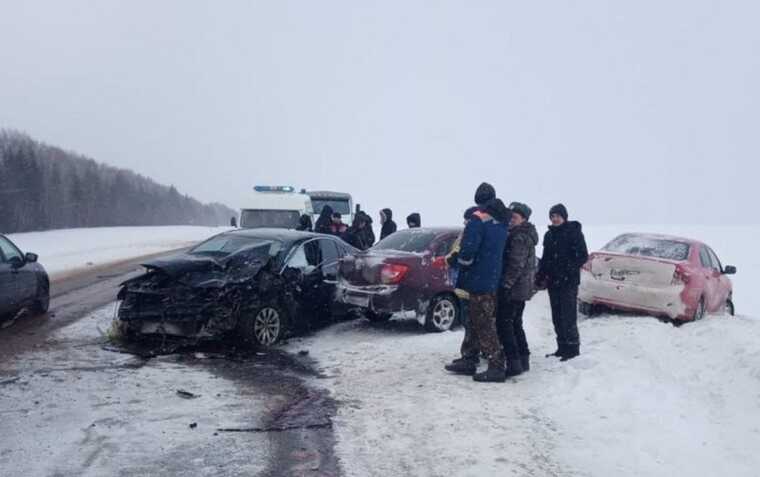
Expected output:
(201, 297)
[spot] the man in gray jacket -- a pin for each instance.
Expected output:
(517, 288)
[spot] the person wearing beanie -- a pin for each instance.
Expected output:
(455, 275)
(564, 254)
(388, 226)
(324, 221)
(517, 288)
(480, 260)
(414, 221)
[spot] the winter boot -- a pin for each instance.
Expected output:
(492, 375)
(464, 366)
(570, 352)
(514, 367)
(525, 361)
(556, 354)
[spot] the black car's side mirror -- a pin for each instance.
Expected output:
(31, 258)
(729, 270)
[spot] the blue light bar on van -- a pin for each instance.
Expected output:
(274, 189)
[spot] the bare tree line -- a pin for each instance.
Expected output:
(44, 187)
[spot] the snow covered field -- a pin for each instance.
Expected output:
(644, 398)
(70, 250)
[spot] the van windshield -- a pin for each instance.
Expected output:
(257, 218)
(340, 206)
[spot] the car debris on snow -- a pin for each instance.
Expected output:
(187, 394)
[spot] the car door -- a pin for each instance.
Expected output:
(7, 285)
(12, 294)
(332, 252)
(307, 258)
(723, 284)
(23, 279)
(711, 278)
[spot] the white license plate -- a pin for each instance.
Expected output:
(357, 300)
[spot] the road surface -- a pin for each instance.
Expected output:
(72, 406)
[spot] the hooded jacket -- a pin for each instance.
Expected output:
(414, 220)
(389, 226)
(564, 254)
(324, 222)
(520, 262)
(482, 251)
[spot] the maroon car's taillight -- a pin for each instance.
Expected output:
(393, 273)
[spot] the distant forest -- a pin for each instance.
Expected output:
(43, 187)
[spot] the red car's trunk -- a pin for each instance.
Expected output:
(380, 267)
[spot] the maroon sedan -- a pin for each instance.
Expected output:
(404, 274)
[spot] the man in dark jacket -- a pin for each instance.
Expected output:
(357, 234)
(517, 288)
(338, 228)
(414, 221)
(387, 223)
(324, 222)
(564, 254)
(480, 258)
(304, 223)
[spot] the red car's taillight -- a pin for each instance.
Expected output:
(393, 273)
(680, 276)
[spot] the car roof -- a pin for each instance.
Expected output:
(325, 194)
(673, 238)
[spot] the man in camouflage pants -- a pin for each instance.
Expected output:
(481, 258)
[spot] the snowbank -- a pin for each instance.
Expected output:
(70, 250)
(644, 398)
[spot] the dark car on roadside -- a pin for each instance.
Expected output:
(406, 274)
(24, 283)
(256, 284)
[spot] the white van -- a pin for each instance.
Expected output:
(275, 206)
(339, 202)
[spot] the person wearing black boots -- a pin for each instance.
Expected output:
(564, 254)
(517, 288)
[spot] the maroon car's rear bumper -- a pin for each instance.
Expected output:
(379, 298)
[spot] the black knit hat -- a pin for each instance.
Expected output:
(522, 209)
(560, 210)
(484, 193)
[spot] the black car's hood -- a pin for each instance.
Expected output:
(178, 265)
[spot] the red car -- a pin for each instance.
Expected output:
(666, 276)
(405, 273)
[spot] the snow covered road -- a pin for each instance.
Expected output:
(645, 398)
(72, 250)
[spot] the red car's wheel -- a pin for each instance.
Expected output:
(700, 313)
(730, 310)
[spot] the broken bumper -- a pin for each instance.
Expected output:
(667, 301)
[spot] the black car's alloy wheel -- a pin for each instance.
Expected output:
(267, 326)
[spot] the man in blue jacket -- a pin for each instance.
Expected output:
(480, 257)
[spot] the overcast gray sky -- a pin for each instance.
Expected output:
(628, 112)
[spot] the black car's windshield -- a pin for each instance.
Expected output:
(643, 246)
(224, 245)
(415, 241)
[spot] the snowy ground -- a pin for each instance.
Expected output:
(645, 398)
(70, 250)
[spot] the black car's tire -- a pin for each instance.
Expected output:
(442, 313)
(375, 317)
(264, 326)
(42, 300)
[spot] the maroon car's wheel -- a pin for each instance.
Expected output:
(442, 314)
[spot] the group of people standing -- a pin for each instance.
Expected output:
(359, 234)
(496, 273)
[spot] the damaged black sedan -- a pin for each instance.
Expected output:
(256, 284)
